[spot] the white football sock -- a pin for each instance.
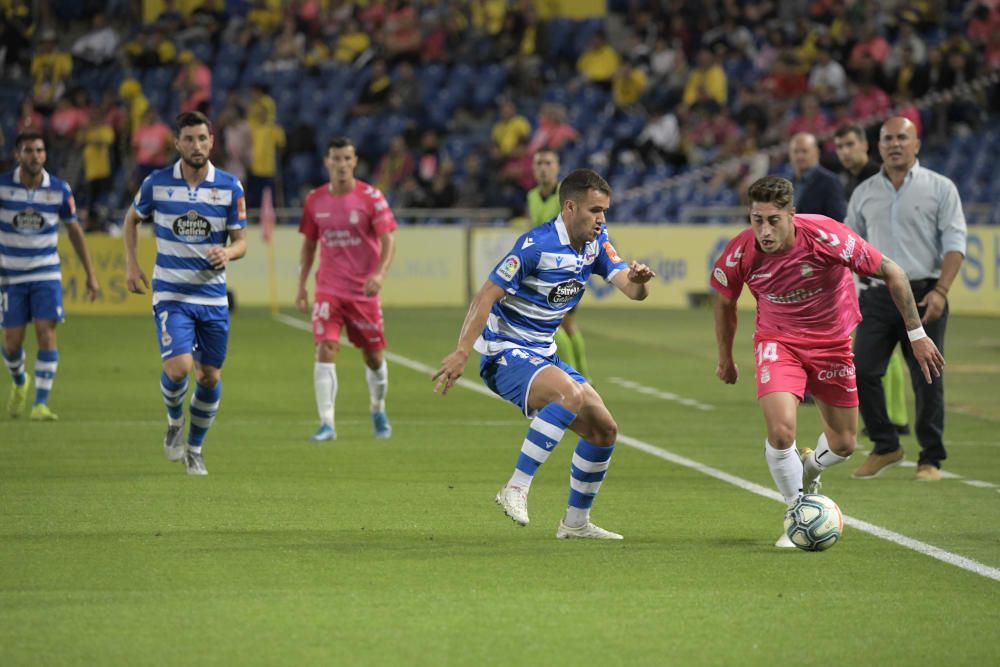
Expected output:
(325, 384)
(786, 470)
(821, 459)
(378, 386)
(576, 516)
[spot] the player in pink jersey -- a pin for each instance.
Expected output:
(799, 269)
(352, 224)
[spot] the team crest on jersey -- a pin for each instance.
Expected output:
(508, 268)
(806, 270)
(564, 292)
(765, 374)
(28, 221)
(166, 339)
(192, 227)
(720, 275)
(354, 218)
(215, 196)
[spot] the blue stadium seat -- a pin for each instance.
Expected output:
(230, 53)
(560, 38)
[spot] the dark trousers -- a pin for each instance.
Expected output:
(881, 329)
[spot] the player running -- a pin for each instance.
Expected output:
(511, 322)
(799, 269)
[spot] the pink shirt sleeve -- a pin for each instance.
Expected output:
(383, 221)
(307, 225)
(727, 276)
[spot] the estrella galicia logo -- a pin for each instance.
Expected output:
(192, 227)
(28, 221)
(564, 292)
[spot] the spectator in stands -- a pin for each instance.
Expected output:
(263, 19)
(828, 80)
(435, 40)
(785, 81)
(966, 104)
(984, 21)
(471, 191)
(288, 48)
(628, 86)
(706, 82)
(908, 77)
(810, 118)
(553, 130)
(871, 45)
(99, 45)
(401, 37)
(96, 140)
(266, 139)
(907, 40)
(48, 87)
(152, 145)
(442, 193)
(599, 62)
(394, 167)
(259, 97)
(376, 93)
(407, 93)
(16, 26)
(351, 43)
(317, 53)
(151, 47)
(509, 130)
(193, 83)
(428, 161)
(130, 92)
(713, 131)
(869, 101)
(817, 189)
(235, 150)
(64, 125)
(29, 118)
(49, 61)
(658, 143)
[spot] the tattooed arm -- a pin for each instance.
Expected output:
(899, 289)
(924, 349)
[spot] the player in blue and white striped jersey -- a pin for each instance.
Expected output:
(195, 210)
(511, 322)
(32, 203)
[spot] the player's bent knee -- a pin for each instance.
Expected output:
(781, 436)
(844, 445)
(605, 434)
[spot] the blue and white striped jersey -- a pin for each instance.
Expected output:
(29, 227)
(187, 222)
(544, 277)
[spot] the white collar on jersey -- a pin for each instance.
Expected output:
(561, 230)
(210, 178)
(46, 179)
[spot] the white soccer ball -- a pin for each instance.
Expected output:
(814, 523)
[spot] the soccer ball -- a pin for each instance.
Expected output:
(814, 523)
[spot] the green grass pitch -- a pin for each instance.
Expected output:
(366, 552)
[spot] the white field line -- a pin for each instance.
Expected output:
(665, 395)
(865, 527)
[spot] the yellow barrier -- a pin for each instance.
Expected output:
(429, 269)
(435, 267)
(108, 256)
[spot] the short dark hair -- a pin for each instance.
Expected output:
(340, 142)
(546, 149)
(772, 190)
(579, 182)
(191, 119)
(26, 136)
(850, 128)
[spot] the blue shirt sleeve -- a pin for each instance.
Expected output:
(608, 263)
(518, 264)
(237, 218)
(67, 212)
(143, 202)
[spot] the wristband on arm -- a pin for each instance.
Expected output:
(916, 334)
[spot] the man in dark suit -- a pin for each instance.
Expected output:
(817, 189)
(852, 151)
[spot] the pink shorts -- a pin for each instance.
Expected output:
(362, 317)
(824, 368)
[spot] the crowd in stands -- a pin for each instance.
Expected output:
(448, 101)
